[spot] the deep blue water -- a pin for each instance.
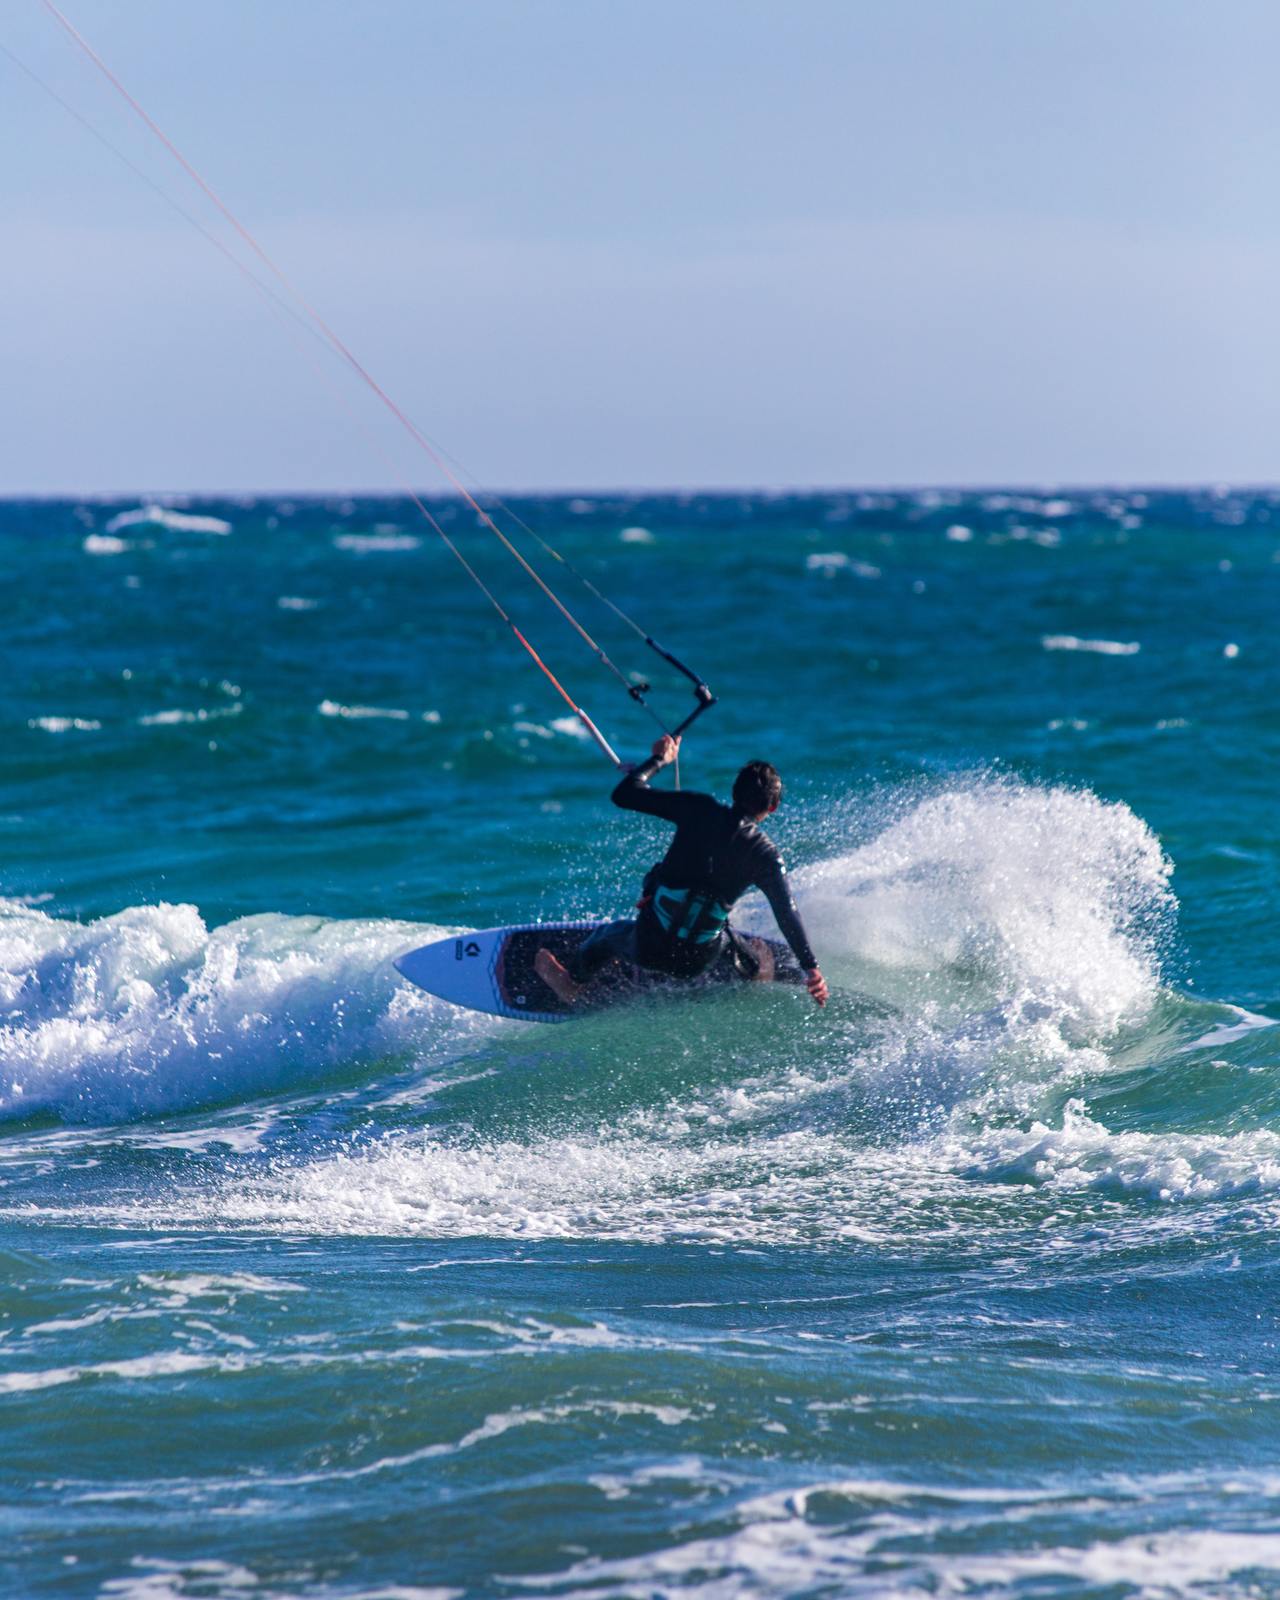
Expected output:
(316, 1286)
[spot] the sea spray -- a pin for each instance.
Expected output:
(1044, 898)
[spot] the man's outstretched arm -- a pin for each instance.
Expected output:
(777, 891)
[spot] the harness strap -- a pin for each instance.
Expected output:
(694, 915)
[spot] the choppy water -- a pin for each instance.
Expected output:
(315, 1286)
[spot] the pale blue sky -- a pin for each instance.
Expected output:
(651, 242)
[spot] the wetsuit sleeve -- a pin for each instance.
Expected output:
(634, 794)
(777, 891)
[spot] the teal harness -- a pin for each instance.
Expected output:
(691, 915)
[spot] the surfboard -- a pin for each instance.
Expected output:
(491, 970)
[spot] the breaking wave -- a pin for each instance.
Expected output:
(150, 1011)
(996, 912)
(995, 949)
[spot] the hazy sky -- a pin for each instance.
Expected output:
(650, 242)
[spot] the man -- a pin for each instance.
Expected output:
(718, 853)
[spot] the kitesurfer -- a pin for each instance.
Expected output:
(718, 853)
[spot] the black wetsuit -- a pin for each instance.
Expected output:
(715, 857)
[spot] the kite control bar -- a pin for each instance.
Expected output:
(703, 694)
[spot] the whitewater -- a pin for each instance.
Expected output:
(316, 1285)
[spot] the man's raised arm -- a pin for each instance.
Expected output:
(634, 794)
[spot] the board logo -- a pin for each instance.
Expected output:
(472, 948)
(457, 949)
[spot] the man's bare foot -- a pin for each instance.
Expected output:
(555, 975)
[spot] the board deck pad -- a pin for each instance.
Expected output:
(491, 970)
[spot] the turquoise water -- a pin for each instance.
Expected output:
(967, 1285)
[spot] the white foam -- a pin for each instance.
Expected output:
(331, 708)
(296, 602)
(1083, 1154)
(1161, 1565)
(636, 536)
(150, 1579)
(898, 1540)
(1098, 647)
(163, 517)
(64, 724)
(158, 1366)
(104, 544)
(150, 1010)
(177, 1290)
(375, 543)
(175, 717)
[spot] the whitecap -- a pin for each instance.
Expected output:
(1100, 647)
(65, 724)
(175, 716)
(175, 521)
(331, 708)
(104, 544)
(296, 602)
(164, 1365)
(636, 536)
(829, 562)
(374, 543)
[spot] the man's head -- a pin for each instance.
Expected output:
(757, 789)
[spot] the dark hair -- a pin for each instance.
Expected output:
(757, 788)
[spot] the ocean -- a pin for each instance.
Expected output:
(316, 1286)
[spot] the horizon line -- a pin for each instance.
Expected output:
(1007, 486)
